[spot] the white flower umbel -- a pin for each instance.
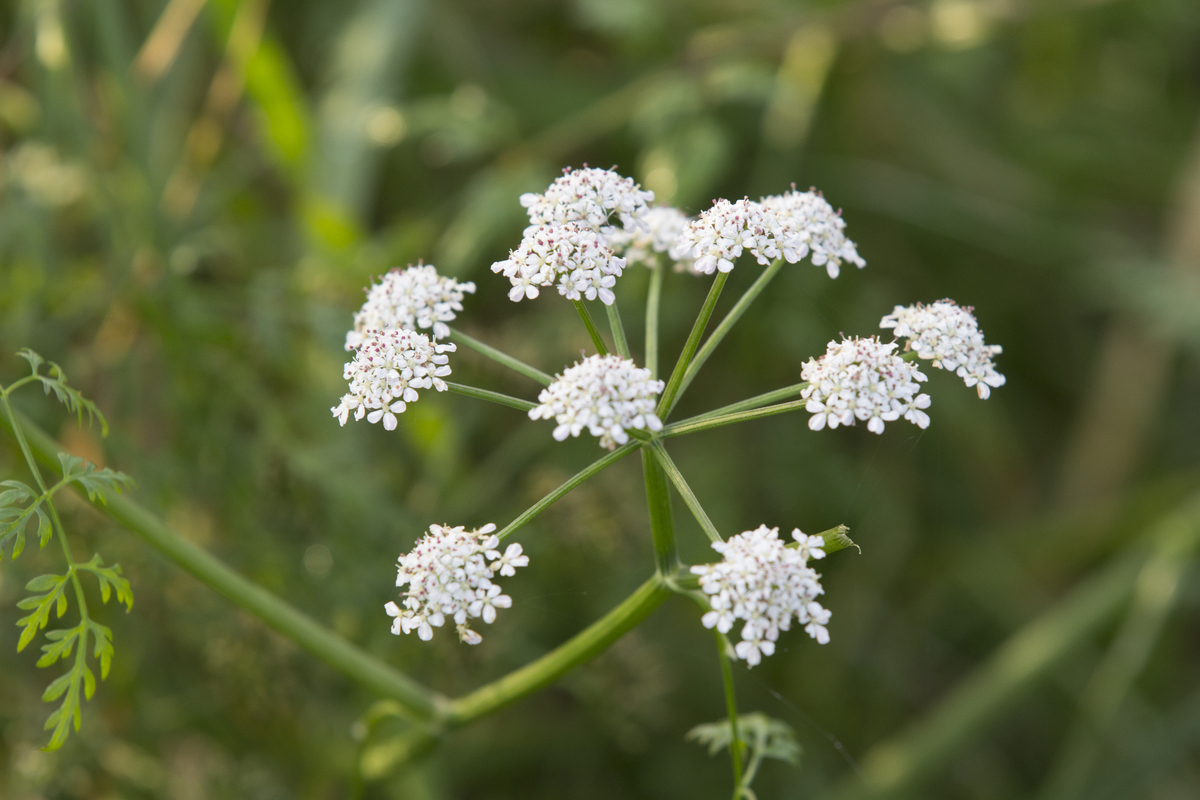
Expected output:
(811, 226)
(863, 379)
(659, 232)
(449, 576)
(718, 236)
(412, 298)
(388, 369)
(948, 334)
(608, 395)
(571, 256)
(589, 196)
(766, 584)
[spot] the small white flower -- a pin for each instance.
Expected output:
(766, 584)
(657, 232)
(387, 370)
(412, 298)
(589, 196)
(449, 575)
(811, 226)
(863, 379)
(571, 256)
(948, 334)
(607, 395)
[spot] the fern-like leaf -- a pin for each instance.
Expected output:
(111, 580)
(96, 481)
(53, 598)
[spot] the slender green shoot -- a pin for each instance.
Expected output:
(501, 358)
(487, 394)
(618, 330)
(671, 392)
(592, 330)
(694, 425)
(735, 745)
(685, 491)
(758, 401)
(653, 300)
(731, 319)
(568, 485)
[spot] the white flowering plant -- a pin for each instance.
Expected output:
(585, 230)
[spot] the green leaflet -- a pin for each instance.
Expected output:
(69, 396)
(14, 519)
(110, 579)
(94, 480)
(39, 606)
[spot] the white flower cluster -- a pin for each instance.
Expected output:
(387, 369)
(590, 196)
(572, 256)
(949, 334)
(719, 235)
(412, 298)
(608, 395)
(863, 379)
(788, 226)
(764, 582)
(656, 232)
(449, 575)
(814, 227)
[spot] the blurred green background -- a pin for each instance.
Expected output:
(193, 194)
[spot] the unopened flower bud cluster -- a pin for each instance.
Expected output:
(766, 584)
(571, 256)
(948, 334)
(607, 395)
(388, 368)
(863, 379)
(449, 577)
(413, 298)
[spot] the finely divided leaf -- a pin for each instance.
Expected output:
(40, 605)
(110, 579)
(95, 481)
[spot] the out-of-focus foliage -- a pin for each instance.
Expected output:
(193, 194)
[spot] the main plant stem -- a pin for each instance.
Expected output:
(582, 647)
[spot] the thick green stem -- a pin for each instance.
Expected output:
(662, 520)
(653, 299)
(584, 646)
(618, 330)
(671, 392)
(424, 704)
(501, 358)
(735, 741)
(730, 320)
(487, 394)
(571, 483)
(694, 425)
(590, 324)
(685, 491)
